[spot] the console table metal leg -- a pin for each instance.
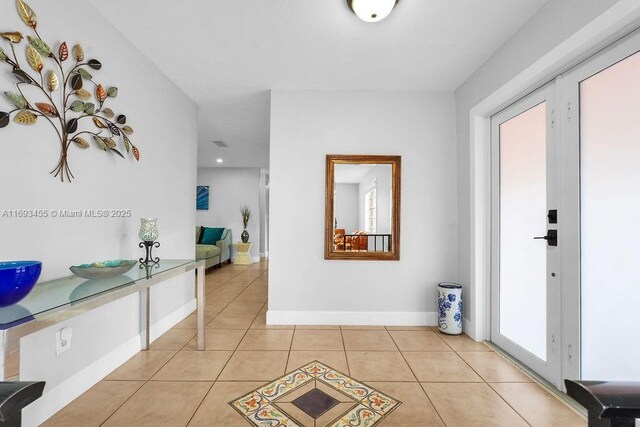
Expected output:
(200, 300)
(144, 318)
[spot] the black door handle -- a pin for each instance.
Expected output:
(551, 237)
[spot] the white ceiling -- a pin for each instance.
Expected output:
(227, 54)
(350, 174)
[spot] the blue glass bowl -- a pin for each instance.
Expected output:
(17, 279)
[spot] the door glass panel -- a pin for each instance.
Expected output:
(523, 206)
(610, 222)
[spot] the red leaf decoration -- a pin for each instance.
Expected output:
(47, 109)
(136, 153)
(63, 52)
(101, 94)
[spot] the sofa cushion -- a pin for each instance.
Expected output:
(211, 235)
(198, 233)
(207, 251)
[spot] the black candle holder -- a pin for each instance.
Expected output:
(148, 246)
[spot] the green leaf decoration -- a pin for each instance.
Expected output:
(89, 108)
(85, 74)
(25, 117)
(3, 55)
(4, 119)
(100, 142)
(76, 82)
(127, 130)
(108, 113)
(72, 125)
(95, 64)
(17, 100)
(77, 106)
(112, 92)
(40, 46)
(85, 95)
(121, 119)
(13, 37)
(81, 142)
(34, 59)
(127, 143)
(27, 14)
(22, 76)
(117, 152)
(113, 128)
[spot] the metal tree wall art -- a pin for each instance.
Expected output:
(68, 98)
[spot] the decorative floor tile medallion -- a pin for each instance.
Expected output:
(315, 396)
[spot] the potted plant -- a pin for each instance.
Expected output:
(246, 216)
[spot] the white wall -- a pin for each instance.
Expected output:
(229, 190)
(307, 125)
(556, 21)
(162, 184)
(347, 207)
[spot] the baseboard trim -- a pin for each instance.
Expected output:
(56, 399)
(373, 318)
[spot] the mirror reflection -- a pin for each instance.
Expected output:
(362, 208)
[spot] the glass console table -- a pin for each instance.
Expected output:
(58, 300)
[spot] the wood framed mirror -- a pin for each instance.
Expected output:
(362, 207)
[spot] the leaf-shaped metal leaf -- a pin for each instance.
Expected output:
(100, 142)
(63, 52)
(72, 125)
(27, 14)
(117, 152)
(17, 100)
(136, 153)
(22, 76)
(78, 53)
(40, 46)
(108, 113)
(25, 117)
(112, 92)
(4, 119)
(81, 142)
(13, 36)
(127, 130)
(77, 106)
(109, 142)
(127, 143)
(95, 64)
(47, 109)
(34, 59)
(83, 94)
(76, 82)
(52, 81)
(99, 123)
(85, 74)
(101, 94)
(121, 119)
(3, 55)
(113, 128)
(89, 108)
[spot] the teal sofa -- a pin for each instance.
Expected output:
(213, 254)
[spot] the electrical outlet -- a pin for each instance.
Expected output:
(63, 340)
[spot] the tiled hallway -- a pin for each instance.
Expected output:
(440, 380)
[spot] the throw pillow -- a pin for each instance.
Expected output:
(198, 234)
(211, 235)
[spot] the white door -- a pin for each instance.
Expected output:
(601, 204)
(525, 288)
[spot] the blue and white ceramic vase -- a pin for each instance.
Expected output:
(450, 308)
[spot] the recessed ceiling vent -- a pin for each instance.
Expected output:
(221, 144)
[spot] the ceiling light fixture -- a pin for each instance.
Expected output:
(219, 160)
(372, 10)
